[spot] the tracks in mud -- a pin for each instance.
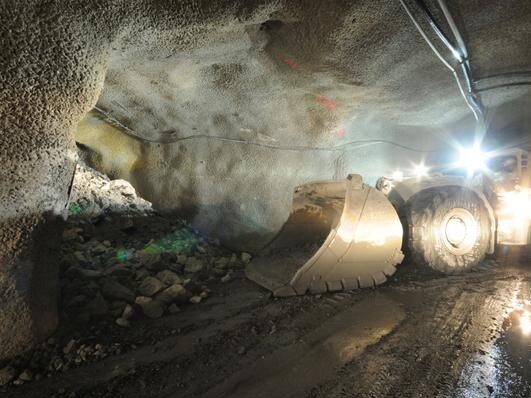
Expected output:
(428, 355)
(312, 359)
(424, 337)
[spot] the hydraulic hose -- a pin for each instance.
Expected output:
(438, 31)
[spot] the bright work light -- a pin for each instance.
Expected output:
(421, 170)
(473, 159)
(397, 176)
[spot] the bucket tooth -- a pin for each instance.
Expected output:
(366, 281)
(334, 286)
(379, 278)
(317, 287)
(351, 283)
(284, 291)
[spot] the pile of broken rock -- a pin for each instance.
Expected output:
(100, 280)
(93, 194)
(145, 264)
(118, 269)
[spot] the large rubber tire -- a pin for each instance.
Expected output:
(426, 215)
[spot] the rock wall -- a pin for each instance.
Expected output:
(237, 192)
(49, 79)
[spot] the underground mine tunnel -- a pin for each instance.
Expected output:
(265, 198)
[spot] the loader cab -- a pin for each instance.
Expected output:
(512, 182)
(510, 167)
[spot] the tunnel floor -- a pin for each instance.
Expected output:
(421, 334)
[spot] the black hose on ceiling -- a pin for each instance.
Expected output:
(348, 145)
(464, 60)
(514, 76)
(438, 31)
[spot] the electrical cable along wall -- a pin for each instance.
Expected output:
(345, 146)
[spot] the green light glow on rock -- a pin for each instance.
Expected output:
(75, 208)
(122, 255)
(180, 241)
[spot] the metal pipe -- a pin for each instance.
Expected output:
(424, 36)
(525, 74)
(463, 51)
(465, 63)
(508, 79)
(438, 31)
(455, 29)
(473, 100)
(439, 55)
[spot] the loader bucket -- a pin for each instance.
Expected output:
(340, 235)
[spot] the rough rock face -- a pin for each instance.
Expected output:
(278, 73)
(49, 79)
(94, 194)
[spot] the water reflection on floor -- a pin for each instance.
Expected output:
(514, 344)
(503, 369)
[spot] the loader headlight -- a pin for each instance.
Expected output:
(473, 159)
(397, 175)
(514, 217)
(516, 203)
(421, 170)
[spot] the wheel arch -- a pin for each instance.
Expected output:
(405, 191)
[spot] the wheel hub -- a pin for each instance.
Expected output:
(459, 231)
(455, 231)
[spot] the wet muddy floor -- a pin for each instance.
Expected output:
(420, 335)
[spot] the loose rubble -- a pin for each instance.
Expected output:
(122, 264)
(94, 194)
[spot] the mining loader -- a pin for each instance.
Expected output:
(344, 235)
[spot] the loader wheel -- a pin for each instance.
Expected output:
(449, 229)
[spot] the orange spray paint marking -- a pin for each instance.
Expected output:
(326, 103)
(341, 132)
(290, 63)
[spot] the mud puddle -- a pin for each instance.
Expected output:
(503, 368)
(513, 369)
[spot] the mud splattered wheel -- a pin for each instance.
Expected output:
(449, 229)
